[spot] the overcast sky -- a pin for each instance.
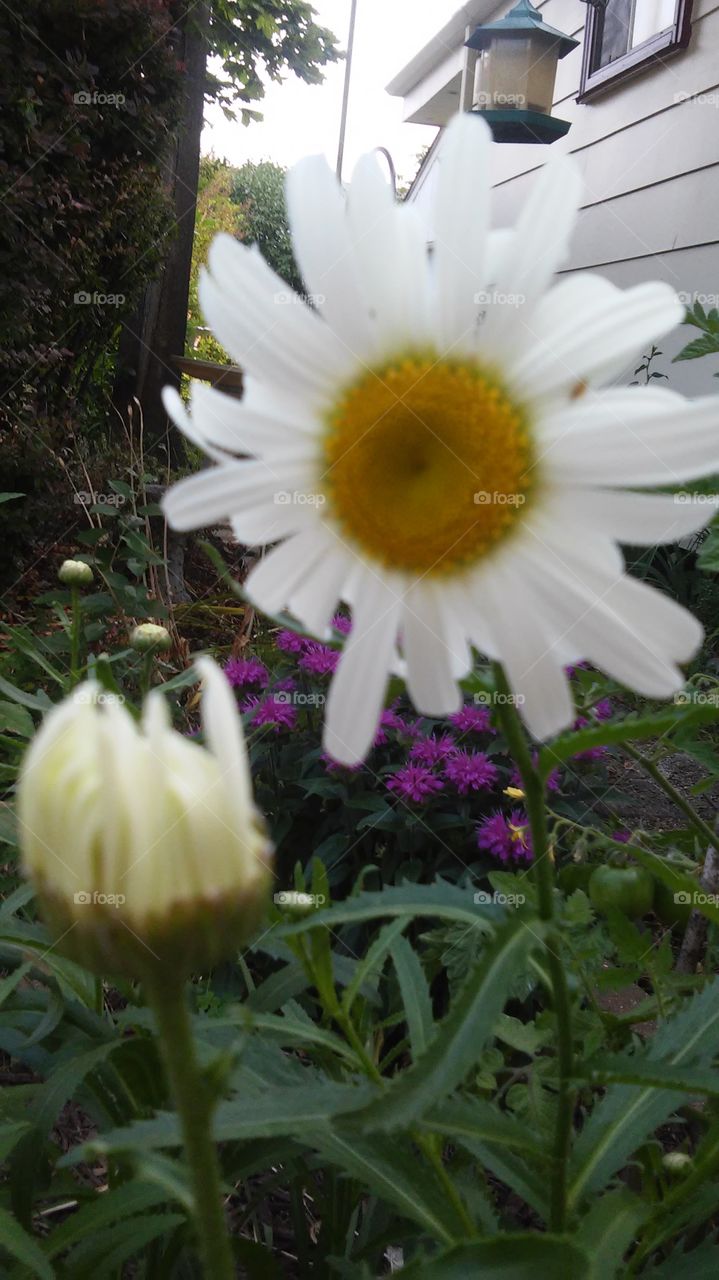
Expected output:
(303, 120)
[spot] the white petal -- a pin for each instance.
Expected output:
(175, 409)
(541, 242)
(461, 226)
(320, 233)
(358, 686)
(266, 301)
(315, 600)
(534, 669)
(642, 436)
(255, 344)
(430, 661)
(223, 732)
(222, 492)
(282, 571)
(224, 421)
(604, 336)
(640, 519)
(391, 256)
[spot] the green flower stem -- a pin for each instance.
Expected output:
(148, 663)
(544, 878)
(699, 825)
(194, 1106)
(75, 635)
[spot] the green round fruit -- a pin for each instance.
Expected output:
(670, 906)
(626, 889)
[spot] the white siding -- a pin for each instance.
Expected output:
(649, 154)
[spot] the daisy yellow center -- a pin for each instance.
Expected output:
(428, 464)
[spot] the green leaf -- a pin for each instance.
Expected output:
(507, 1257)
(10, 1135)
(474, 1118)
(415, 994)
(460, 1036)
(627, 1114)
(394, 1172)
(15, 719)
(10, 497)
(698, 1264)
(441, 899)
(706, 346)
(370, 965)
(116, 1245)
(631, 729)
(609, 1229)
(636, 1069)
(19, 1245)
(8, 826)
(34, 701)
(113, 1206)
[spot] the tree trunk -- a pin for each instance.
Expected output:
(157, 333)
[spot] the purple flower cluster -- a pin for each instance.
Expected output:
(430, 751)
(274, 712)
(318, 659)
(473, 719)
(506, 837)
(416, 783)
(470, 771)
(246, 671)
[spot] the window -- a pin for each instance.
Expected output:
(622, 36)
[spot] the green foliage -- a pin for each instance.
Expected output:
(708, 323)
(259, 191)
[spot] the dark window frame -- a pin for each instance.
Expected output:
(595, 80)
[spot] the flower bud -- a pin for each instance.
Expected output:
(677, 1163)
(145, 848)
(149, 636)
(75, 573)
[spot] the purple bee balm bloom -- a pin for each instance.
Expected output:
(470, 771)
(275, 713)
(472, 720)
(429, 751)
(290, 642)
(415, 783)
(622, 836)
(390, 719)
(287, 685)
(506, 838)
(319, 660)
(592, 753)
(604, 710)
(244, 671)
(340, 623)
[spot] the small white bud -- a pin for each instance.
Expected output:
(75, 573)
(149, 636)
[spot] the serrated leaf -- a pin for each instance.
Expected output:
(507, 1257)
(698, 1264)
(113, 1206)
(706, 346)
(446, 901)
(416, 998)
(474, 1118)
(609, 1229)
(394, 1172)
(370, 965)
(632, 728)
(627, 1114)
(460, 1037)
(16, 719)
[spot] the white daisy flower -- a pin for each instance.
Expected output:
(429, 442)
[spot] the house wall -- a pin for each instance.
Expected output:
(649, 154)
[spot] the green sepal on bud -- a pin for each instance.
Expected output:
(148, 855)
(149, 637)
(75, 573)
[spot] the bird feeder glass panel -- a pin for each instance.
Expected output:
(516, 71)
